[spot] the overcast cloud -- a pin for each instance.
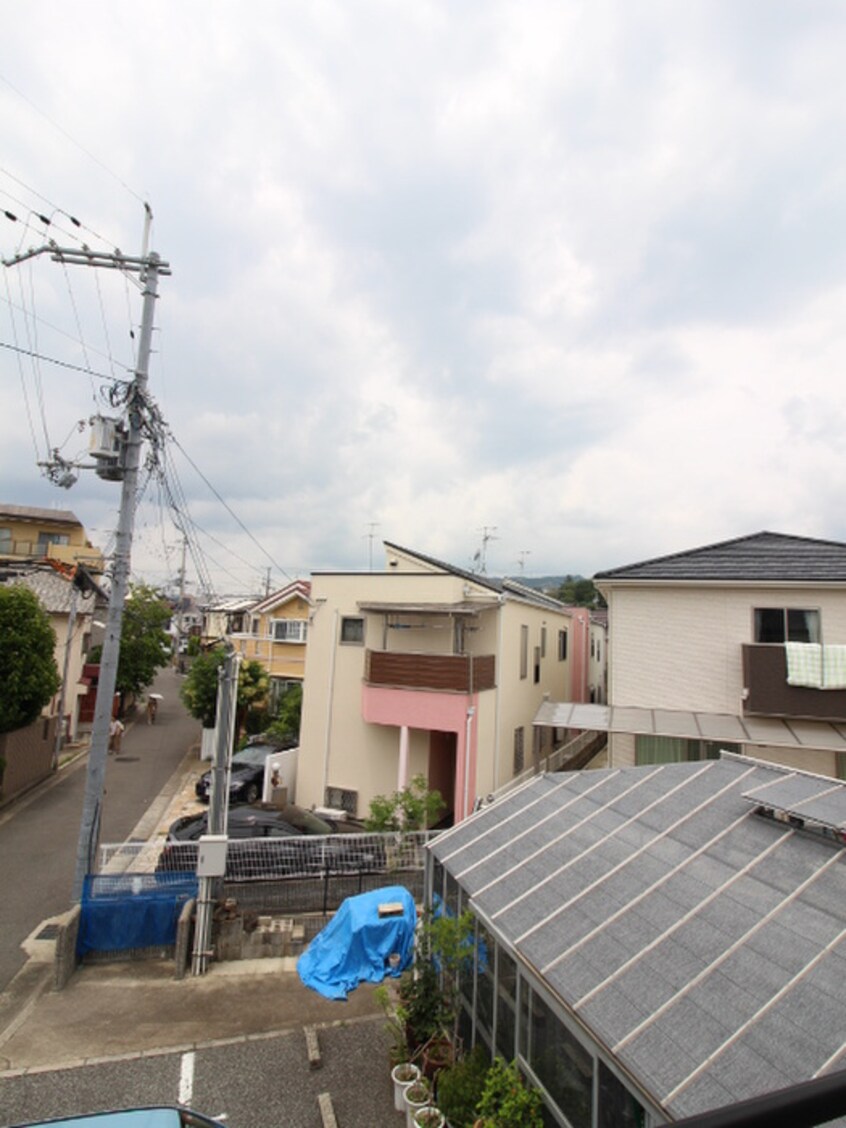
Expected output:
(576, 271)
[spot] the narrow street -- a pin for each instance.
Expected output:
(38, 834)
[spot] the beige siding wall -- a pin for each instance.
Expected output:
(681, 648)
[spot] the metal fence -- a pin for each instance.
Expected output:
(292, 874)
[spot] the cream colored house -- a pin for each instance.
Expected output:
(274, 632)
(426, 669)
(31, 534)
(700, 646)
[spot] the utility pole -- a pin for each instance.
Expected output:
(89, 832)
(227, 696)
(148, 267)
(179, 612)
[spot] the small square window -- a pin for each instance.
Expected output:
(352, 629)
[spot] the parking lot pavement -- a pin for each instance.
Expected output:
(135, 1011)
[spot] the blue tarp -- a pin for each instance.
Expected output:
(356, 944)
(131, 911)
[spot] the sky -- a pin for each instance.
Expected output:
(569, 276)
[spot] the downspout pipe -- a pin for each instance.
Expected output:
(468, 734)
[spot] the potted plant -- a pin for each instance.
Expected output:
(416, 1096)
(506, 1102)
(429, 1117)
(402, 1075)
(437, 1053)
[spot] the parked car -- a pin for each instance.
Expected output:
(303, 843)
(247, 778)
(131, 1118)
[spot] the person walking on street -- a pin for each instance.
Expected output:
(152, 707)
(115, 735)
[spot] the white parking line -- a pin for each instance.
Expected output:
(186, 1079)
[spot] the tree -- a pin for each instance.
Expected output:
(576, 591)
(413, 808)
(28, 671)
(145, 645)
(199, 690)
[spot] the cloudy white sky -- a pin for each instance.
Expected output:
(573, 271)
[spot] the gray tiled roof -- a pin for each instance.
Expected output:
(703, 944)
(54, 592)
(761, 556)
(34, 513)
(501, 586)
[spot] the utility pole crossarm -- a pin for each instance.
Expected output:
(84, 256)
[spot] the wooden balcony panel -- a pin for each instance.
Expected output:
(449, 673)
(765, 677)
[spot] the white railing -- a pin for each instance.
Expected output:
(549, 763)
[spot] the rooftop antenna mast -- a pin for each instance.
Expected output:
(521, 559)
(372, 526)
(481, 556)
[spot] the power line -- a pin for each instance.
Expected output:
(230, 511)
(72, 140)
(63, 333)
(63, 363)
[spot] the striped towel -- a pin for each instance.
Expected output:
(834, 667)
(804, 664)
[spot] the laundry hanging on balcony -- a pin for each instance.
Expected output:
(834, 667)
(804, 664)
(814, 666)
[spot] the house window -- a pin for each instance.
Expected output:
(786, 624)
(592, 647)
(288, 630)
(677, 750)
(46, 539)
(537, 664)
(352, 629)
(254, 626)
(543, 641)
(5, 540)
(524, 651)
(562, 646)
(519, 749)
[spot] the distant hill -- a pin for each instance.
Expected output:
(542, 583)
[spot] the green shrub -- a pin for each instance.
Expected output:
(460, 1088)
(506, 1102)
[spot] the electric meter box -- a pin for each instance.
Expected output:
(211, 856)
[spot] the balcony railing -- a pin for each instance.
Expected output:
(769, 695)
(450, 673)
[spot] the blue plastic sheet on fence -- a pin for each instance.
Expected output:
(123, 911)
(357, 944)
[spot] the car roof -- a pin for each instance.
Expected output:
(161, 1117)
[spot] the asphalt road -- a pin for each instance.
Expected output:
(263, 1082)
(38, 834)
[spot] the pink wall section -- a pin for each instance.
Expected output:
(579, 644)
(429, 711)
